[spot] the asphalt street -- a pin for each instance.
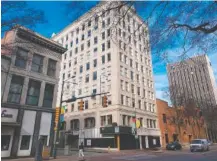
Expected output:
(133, 155)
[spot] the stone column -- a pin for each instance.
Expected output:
(146, 142)
(7, 88)
(45, 65)
(29, 61)
(15, 143)
(140, 142)
(55, 96)
(36, 132)
(24, 91)
(41, 96)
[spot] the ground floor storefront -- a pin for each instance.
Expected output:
(119, 137)
(21, 129)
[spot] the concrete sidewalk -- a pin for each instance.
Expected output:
(61, 158)
(90, 155)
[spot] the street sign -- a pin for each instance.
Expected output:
(117, 129)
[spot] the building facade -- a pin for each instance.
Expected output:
(193, 79)
(107, 54)
(190, 128)
(30, 65)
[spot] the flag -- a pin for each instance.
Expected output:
(62, 110)
(61, 118)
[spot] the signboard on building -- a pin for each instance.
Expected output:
(116, 129)
(9, 115)
(154, 142)
(88, 142)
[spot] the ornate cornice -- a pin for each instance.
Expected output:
(38, 39)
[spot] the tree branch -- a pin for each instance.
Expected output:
(202, 27)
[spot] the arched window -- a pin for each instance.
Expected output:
(75, 123)
(89, 122)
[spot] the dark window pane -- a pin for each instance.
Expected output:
(87, 66)
(74, 124)
(103, 59)
(33, 93)
(21, 58)
(25, 142)
(5, 142)
(89, 122)
(51, 71)
(48, 95)
(95, 63)
(15, 90)
(94, 75)
(37, 63)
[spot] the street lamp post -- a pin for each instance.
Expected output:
(56, 134)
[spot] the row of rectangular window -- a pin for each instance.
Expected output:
(126, 86)
(90, 122)
(61, 41)
(127, 121)
(88, 42)
(22, 60)
(127, 36)
(127, 101)
(88, 65)
(124, 58)
(127, 17)
(124, 72)
(94, 50)
(33, 92)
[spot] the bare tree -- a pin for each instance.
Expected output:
(187, 110)
(14, 13)
(17, 13)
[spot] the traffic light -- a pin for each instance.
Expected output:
(57, 115)
(105, 101)
(81, 105)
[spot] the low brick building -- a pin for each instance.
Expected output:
(176, 124)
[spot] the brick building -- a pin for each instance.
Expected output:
(187, 129)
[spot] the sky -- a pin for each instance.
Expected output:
(60, 14)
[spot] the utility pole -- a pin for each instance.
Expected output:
(56, 134)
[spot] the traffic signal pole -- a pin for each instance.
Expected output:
(56, 134)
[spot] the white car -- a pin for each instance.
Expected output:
(199, 145)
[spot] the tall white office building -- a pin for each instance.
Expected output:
(109, 53)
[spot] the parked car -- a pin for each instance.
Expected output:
(199, 145)
(174, 146)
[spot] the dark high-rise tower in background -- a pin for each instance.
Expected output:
(193, 79)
